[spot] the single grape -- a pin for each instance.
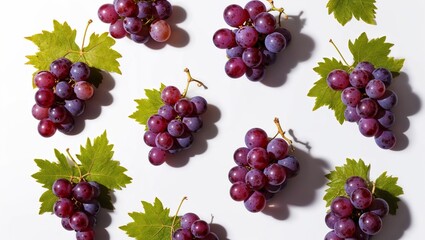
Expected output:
(156, 123)
(364, 65)
(182, 234)
(132, 25)
(83, 192)
(240, 191)
(240, 156)
(75, 106)
(183, 107)
(235, 67)
(246, 36)
(60, 68)
(65, 224)
(64, 90)
(379, 207)
(388, 100)
(370, 223)
(332, 236)
(345, 228)
(234, 51)
(92, 207)
(275, 174)
(234, 15)
(146, 9)
(252, 57)
(63, 208)
(277, 148)
(275, 42)
(149, 138)
(79, 221)
(200, 228)
(258, 158)
(200, 104)
(255, 74)
(107, 13)
(367, 108)
(126, 8)
(268, 57)
(338, 79)
(67, 125)
(354, 182)
(224, 38)
(57, 113)
(254, 8)
(194, 124)
(87, 234)
(386, 139)
(96, 189)
(163, 8)
(187, 220)
(160, 31)
(168, 112)
(62, 188)
(176, 128)
(351, 96)
(361, 198)
(83, 90)
(286, 33)
(237, 174)
(384, 75)
(256, 202)
(360, 78)
(341, 206)
(117, 30)
(265, 23)
(79, 71)
(255, 179)
(186, 140)
(44, 79)
(46, 128)
(156, 156)
(164, 140)
(368, 127)
(142, 36)
(331, 219)
(350, 114)
(39, 112)
(170, 95)
(256, 137)
(375, 88)
(291, 165)
(386, 118)
(44, 97)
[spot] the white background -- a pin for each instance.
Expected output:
(236, 105)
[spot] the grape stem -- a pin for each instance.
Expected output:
(280, 10)
(339, 52)
(81, 52)
(189, 80)
(175, 216)
(76, 164)
(282, 133)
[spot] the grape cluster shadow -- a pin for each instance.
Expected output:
(104, 219)
(101, 97)
(179, 37)
(408, 104)
(300, 49)
(219, 230)
(300, 190)
(200, 145)
(393, 227)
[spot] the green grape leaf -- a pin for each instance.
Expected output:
(338, 177)
(344, 10)
(148, 106)
(325, 96)
(110, 177)
(375, 51)
(155, 223)
(386, 187)
(61, 42)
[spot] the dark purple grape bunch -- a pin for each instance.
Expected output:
(61, 95)
(262, 169)
(358, 215)
(139, 20)
(172, 128)
(368, 100)
(192, 227)
(77, 206)
(255, 40)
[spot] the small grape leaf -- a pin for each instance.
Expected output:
(49, 172)
(338, 177)
(386, 187)
(154, 224)
(325, 96)
(148, 106)
(344, 10)
(375, 51)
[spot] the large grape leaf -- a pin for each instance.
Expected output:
(155, 223)
(110, 176)
(148, 106)
(344, 10)
(61, 42)
(383, 187)
(375, 51)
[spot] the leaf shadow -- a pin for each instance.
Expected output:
(302, 189)
(409, 103)
(399, 224)
(276, 74)
(102, 97)
(219, 230)
(179, 37)
(200, 144)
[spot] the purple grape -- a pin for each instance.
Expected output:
(332, 236)
(384, 75)
(96, 189)
(359, 78)
(107, 14)
(234, 15)
(75, 107)
(367, 108)
(132, 25)
(79, 221)
(268, 57)
(375, 88)
(255, 74)
(160, 30)
(331, 219)
(246, 36)
(64, 90)
(46, 128)
(388, 100)
(386, 139)
(83, 90)
(379, 207)
(341, 206)
(367, 66)
(368, 127)
(57, 114)
(176, 128)
(86, 234)
(92, 207)
(39, 112)
(370, 223)
(83, 192)
(62, 188)
(187, 220)
(194, 124)
(255, 179)
(235, 67)
(254, 8)
(361, 198)
(240, 156)
(240, 191)
(200, 104)
(170, 95)
(252, 57)
(126, 8)
(386, 118)
(63, 208)
(156, 156)
(275, 42)
(182, 234)
(345, 228)
(44, 79)
(237, 174)
(234, 51)
(156, 123)
(163, 9)
(200, 228)
(65, 224)
(149, 138)
(256, 202)
(277, 148)
(275, 174)
(79, 71)
(142, 36)
(338, 79)
(185, 141)
(258, 158)
(354, 182)
(67, 125)
(350, 114)
(265, 23)
(256, 137)
(351, 96)
(291, 165)
(44, 97)
(146, 9)
(183, 107)
(117, 30)
(164, 140)
(286, 33)
(60, 68)
(224, 38)
(167, 112)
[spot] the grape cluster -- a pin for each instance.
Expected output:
(77, 206)
(263, 168)
(171, 129)
(368, 100)
(192, 227)
(254, 42)
(139, 20)
(61, 95)
(358, 216)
